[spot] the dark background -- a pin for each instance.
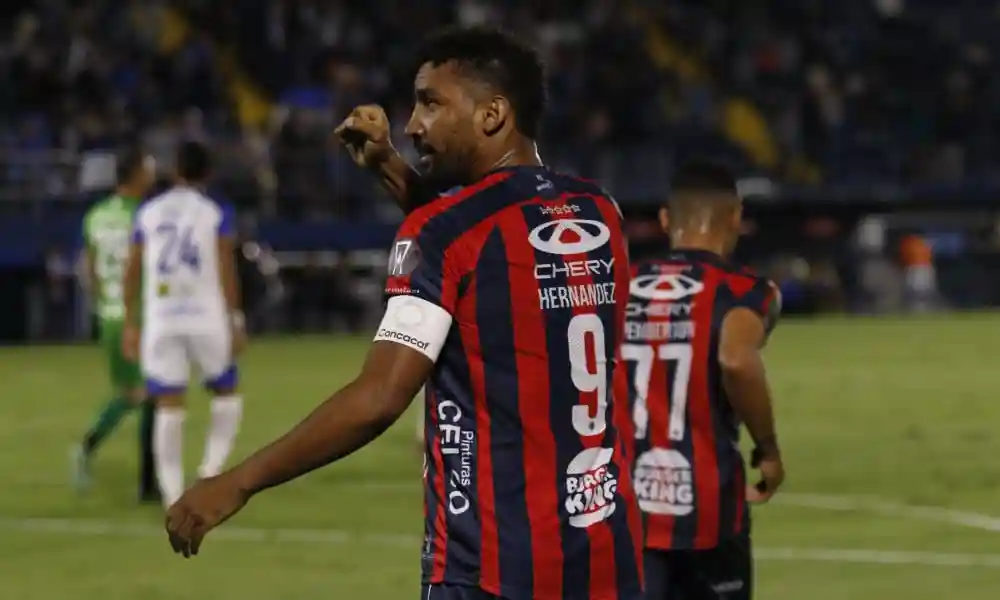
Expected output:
(851, 124)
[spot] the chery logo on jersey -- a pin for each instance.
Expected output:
(569, 236)
(664, 287)
(404, 258)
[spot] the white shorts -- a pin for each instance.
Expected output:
(166, 359)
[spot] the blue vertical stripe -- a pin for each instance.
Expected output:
(461, 502)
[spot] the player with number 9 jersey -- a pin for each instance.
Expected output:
(527, 486)
(505, 301)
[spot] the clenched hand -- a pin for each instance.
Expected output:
(205, 506)
(365, 134)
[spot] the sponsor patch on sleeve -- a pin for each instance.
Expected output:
(416, 323)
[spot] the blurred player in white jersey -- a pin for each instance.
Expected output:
(182, 258)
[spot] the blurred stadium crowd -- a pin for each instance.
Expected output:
(805, 90)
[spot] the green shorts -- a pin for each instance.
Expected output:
(124, 374)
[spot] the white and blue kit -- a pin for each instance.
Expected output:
(185, 317)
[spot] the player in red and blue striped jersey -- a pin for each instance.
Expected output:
(695, 325)
(506, 295)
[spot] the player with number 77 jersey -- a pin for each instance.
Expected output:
(695, 324)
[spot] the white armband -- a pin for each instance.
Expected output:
(415, 323)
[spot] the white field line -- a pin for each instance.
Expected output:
(885, 508)
(125, 529)
(830, 502)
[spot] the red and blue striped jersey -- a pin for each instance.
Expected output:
(528, 493)
(689, 474)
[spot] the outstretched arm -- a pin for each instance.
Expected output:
(347, 421)
(397, 365)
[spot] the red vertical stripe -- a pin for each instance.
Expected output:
(659, 527)
(740, 500)
(533, 377)
(701, 422)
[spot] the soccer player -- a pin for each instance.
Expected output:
(695, 327)
(183, 255)
(106, 228)
(506, 295)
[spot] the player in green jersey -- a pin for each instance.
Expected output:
(106, 230)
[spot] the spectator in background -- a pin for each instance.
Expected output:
(919, 276)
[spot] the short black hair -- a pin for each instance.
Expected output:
(703, 176)
(127, 162)
(194, 162)
(496, 58)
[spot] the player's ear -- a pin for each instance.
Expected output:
(664, 216)
(495, 115)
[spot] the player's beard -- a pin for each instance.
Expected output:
(447, 171)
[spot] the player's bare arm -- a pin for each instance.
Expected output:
(131, 288)
(347, 421)
(365, 134)
(231, 289)
(743, 335)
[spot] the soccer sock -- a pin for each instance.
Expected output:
(226, 414)
(168, 445)
(109, 418)
(147, 467)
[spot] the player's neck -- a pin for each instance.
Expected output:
(127, 193)
(696, 241)
(522, 153)
(194, 185)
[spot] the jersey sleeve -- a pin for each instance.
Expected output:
(421, 291)
(764, 298)
(227, 220)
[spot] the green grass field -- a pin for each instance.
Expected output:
(879, 418)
